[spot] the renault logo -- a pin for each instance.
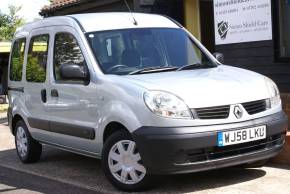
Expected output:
(238, 112)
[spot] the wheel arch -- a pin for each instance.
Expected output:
(113, 127)
(14, 120)
(116, 115)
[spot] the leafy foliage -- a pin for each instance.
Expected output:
(9, 23)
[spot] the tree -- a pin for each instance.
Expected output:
(10, 22)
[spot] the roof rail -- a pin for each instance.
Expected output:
(173, 20)
(78, 22)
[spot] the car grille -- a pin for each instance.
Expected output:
(255, 106)
(218, 112)
(213, 153)
(222, 112)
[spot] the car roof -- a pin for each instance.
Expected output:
(123, 20)
(91, 22)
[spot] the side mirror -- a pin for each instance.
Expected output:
(219, 57)
(73, 72)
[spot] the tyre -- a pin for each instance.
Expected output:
(28, 149)
(257, 164)
(122, 163)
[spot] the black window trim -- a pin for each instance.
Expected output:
(85, 83)
(24, 57)
(33, 36)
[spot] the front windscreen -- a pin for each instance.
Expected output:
(125, 51)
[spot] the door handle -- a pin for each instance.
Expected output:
(54, 93)
(43, 95)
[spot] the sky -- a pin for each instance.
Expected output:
(29, 10)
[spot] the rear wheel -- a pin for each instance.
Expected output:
(28, 149)
(122, 163)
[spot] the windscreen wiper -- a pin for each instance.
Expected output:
(152, 69)
(194, 66)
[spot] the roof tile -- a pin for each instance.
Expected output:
(58, 4)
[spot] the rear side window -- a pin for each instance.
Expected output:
(37, 59)
(17, 59)
(66, 51)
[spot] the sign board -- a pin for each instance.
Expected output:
(239, 21)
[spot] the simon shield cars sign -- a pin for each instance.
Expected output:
(242, 21)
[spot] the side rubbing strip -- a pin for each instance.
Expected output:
(17, 89)
(72, 130)
(39, 123)
(63, 128)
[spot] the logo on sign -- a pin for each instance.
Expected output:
(223, 28)
(238, 112)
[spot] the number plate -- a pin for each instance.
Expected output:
(226, 138)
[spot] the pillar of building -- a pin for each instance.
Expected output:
(192, 17)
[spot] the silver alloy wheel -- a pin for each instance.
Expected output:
(21, 141)
(125, 162)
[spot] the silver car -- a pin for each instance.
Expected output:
(139, 92)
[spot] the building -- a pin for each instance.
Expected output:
(185, 12)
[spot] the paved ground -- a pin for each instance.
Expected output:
(14, 182)
(59, 169)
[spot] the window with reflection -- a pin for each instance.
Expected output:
(124, 51)
(37, 59)
(66, 52)
(17, 59)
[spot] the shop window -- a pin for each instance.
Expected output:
(284, 29)
(37, 59)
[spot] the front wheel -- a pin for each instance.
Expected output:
(122, 163)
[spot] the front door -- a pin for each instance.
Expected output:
(71, 103)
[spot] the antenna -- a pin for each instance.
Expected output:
(134, 20)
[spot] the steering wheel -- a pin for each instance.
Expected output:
(115, 67)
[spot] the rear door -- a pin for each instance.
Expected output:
(36, 82)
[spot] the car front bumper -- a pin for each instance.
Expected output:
(182, 150)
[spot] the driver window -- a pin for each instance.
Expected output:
(66, 51)
(109, 48)
(114, 47)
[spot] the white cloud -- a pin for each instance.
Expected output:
(29, 10)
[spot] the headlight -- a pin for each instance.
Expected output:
(274, 92)
(166, 105)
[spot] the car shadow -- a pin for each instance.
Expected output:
(86, 172)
